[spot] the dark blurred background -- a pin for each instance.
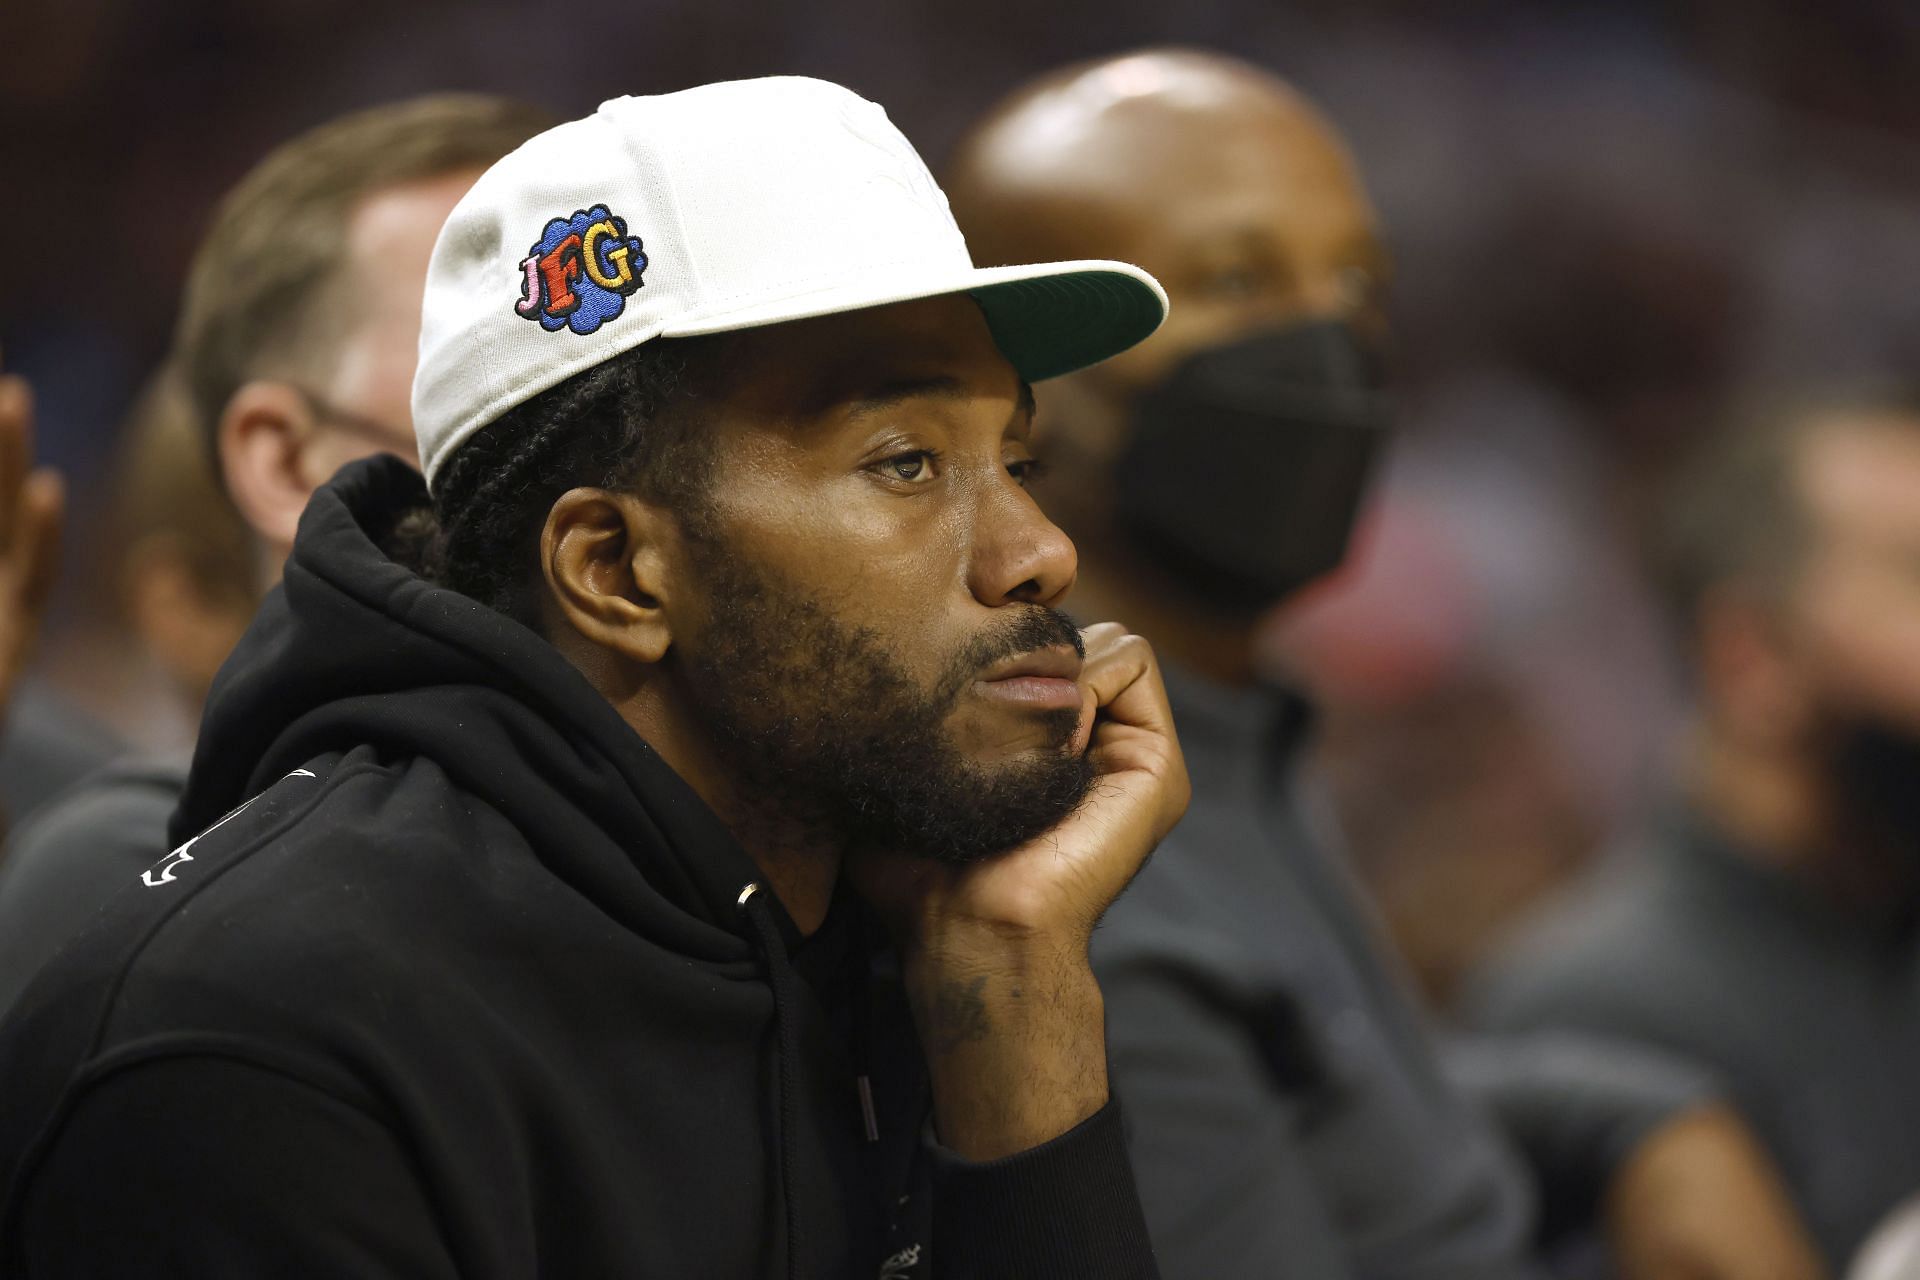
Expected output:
(1610, 221)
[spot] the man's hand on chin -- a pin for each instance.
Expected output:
(1700, 1200)
(995, 952)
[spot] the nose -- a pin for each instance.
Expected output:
(1019, 556)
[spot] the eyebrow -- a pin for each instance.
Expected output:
(944, 387)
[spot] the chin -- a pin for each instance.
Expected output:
(1008, 737)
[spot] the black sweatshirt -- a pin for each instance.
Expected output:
(454, 980)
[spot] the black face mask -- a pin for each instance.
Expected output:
(1246, 465)
(1875, 771)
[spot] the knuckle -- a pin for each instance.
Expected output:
(1135, 652)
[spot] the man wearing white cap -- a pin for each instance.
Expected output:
(527, 909)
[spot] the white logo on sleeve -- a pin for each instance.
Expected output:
(162, 871)
(897, 1267)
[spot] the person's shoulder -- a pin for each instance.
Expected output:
(113, 821)
(331, 855)
(46, 747)
(1200, 916)
(1247, 883)
(1171, 903)
(73, 856)
(1613, 952)
(331, 872)
(332, 901)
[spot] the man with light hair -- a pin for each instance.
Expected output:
(294, 354)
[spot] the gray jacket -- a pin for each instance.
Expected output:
(1810, 1015)
(58, 868)
(1291, 1113)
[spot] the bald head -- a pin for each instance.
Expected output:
(1212, 174)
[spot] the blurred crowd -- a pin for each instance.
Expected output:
(1622, 636)
(1608, 222)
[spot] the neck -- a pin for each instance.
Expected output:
(798, 863)
(1778, 811)
(800, 867)
(269, 559)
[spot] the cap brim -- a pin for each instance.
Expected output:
(1047, 318)
(1058, 317)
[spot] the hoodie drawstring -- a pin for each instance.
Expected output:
(859, 975)
(780, 977)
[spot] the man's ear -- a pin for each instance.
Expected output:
(262, 433)
(608, 559)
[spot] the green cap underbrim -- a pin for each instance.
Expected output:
(1054, 324)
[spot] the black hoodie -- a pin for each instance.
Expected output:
(455, 979)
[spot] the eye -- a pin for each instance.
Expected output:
(1026, 470)
(1235, 282)
(916, 467)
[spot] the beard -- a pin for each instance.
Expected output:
(830, 740)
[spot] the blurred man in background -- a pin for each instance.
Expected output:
(1289, 1115)
(1767, 927)
(295, 354)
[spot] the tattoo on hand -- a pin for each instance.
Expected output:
(957, 1015)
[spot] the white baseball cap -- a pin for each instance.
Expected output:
(724, 207)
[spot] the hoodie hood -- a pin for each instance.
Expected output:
(354, 649)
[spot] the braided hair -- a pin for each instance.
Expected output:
(629, 424)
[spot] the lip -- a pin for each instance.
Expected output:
(1044, 680)
(1057, 662)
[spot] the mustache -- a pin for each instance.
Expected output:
(1036, 627)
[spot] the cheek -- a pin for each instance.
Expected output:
(374, 376)
(889, 564)
(1865, 630)
(326, 455)
(1189, 327)
(1195, 324)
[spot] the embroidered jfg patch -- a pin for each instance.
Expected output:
(580, 272)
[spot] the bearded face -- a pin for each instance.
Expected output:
(821, 722)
